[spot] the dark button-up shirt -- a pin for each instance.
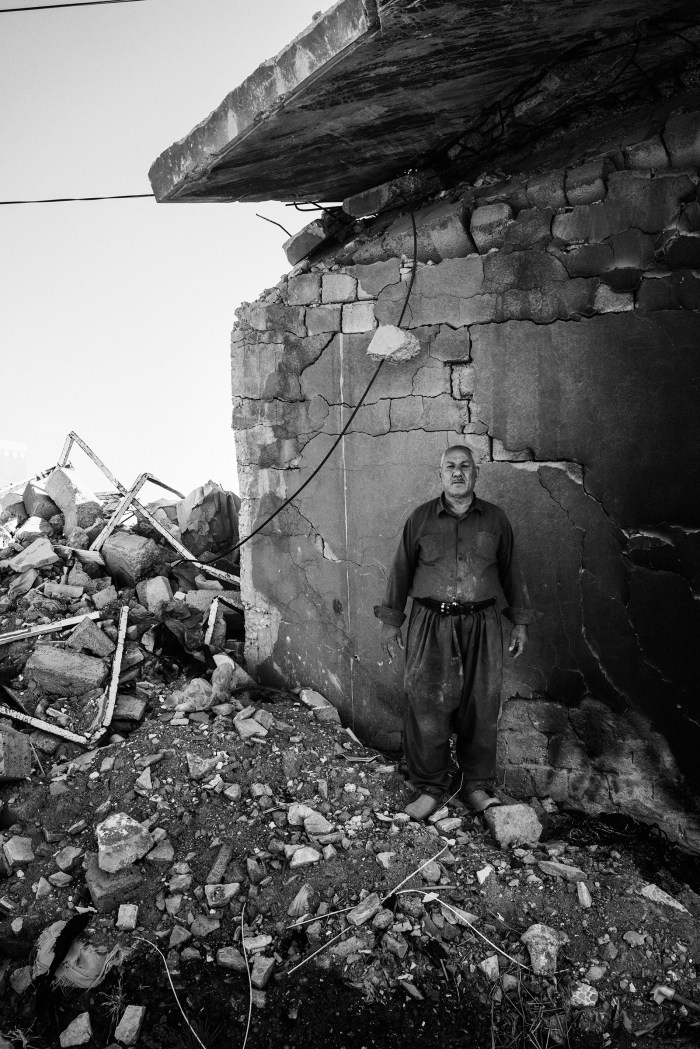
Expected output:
(448, 557)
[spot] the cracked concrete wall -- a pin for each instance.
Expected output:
(558, 320)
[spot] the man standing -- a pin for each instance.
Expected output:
(455, 555)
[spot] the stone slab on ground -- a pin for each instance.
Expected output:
(15, 755)
(129, 557)
(513, 824)
(108, 891)
(63, 671)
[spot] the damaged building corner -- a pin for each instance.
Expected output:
(554, 325)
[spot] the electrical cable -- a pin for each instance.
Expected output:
(70, 200)
(345, 428)
(74, 3)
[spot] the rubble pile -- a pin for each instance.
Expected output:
(228, 832)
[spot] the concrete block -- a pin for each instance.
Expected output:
(76, 501)
(18, 851)
(154, 594)
(373, 278)
(129, 1027)
(393, 344)
(489, 224)
(130, 708)
(339, 287)
(129, 557)
(358, 317)
(462, 381)
(37, 503)
(200, 599)
(441, 294)
(531, 228)
(607, 300)
(102, 599)
(547, 190)
(390, 194)
(67, 858)
(64, 671)
(88, 637)
(679, 290)
(39, 554)
(683, 252)
(15, 755)
(277, 318)
(648, 155)
(682, 138)
(585, 184)
(108, 891)
(521, 269)
(121, 841)
(323, 319)
(304, 289)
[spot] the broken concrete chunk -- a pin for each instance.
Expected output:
(203, 926)
(62, 591)
(489, 224)
(15, 755)
(154, 594)
(543, 946)
(562, 870)
(104, 598)
(127, 917)
(199, 768)
(358, 317)
(129, 1027)
(231, 958)
(364, 910)
(221, 894)
(121, 841)
(399, 190)
(63, 671)
(38, 554)
(67, 858)
(33, 528)
(78, 504)
(393, 344)
(78, 1032)
(261, 971)
(304, 289)
(304, 856)
(583, 995)
(129, 557)
(37, 503)
(305, 241)
(108, 891)
(513, 824)
(130, 708)
(657, 895)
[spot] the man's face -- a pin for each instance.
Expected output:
(458, 473)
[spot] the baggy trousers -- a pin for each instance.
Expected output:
(454, 671)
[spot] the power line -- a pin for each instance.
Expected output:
(70, 200)
(75, 3)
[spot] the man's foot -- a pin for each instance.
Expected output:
(480, 800)
(423, 807)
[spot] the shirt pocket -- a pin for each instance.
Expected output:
(432, 547)
(487, 545)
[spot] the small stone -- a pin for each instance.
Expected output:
(261, 971)
(543, 945)
(15, 755)
(162, 853)
(179, 936)
(395, 945)
(129, 1027)
(60, 880)
(364, 910)
(231, 958)
(18, 851)
(154, 594)
(634, 939)
(127, 917)
(304, 856)
(489, 967)
(561, 870)
(656, 895)
(21, 979)
(102, 599)
(513, 825)
(298, 813)
(384, 859)
(221, 894)
(43, 889)
(254, 944)
(583, 995)
(78, 1032)
(203, 926)
(316, 824)
(199, 768)
(329, 851)
(484, 873)
(431, 873)
(584, 896)
(87, 637)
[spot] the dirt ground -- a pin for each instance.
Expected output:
(439, 963)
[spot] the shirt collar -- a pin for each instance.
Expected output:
(442, 507)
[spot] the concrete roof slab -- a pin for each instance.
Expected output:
(372, 89)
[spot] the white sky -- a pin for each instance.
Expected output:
(115, 316)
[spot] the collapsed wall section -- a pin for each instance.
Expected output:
(558, 321)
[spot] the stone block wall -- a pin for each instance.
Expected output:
(557, 315)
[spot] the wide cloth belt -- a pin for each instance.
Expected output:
(454, 608)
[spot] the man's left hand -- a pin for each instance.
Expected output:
(518, 641)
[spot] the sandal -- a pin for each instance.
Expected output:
(480, 800)
(423, 807)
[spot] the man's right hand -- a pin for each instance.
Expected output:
(391, 635)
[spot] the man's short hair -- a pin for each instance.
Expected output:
(458, 448)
